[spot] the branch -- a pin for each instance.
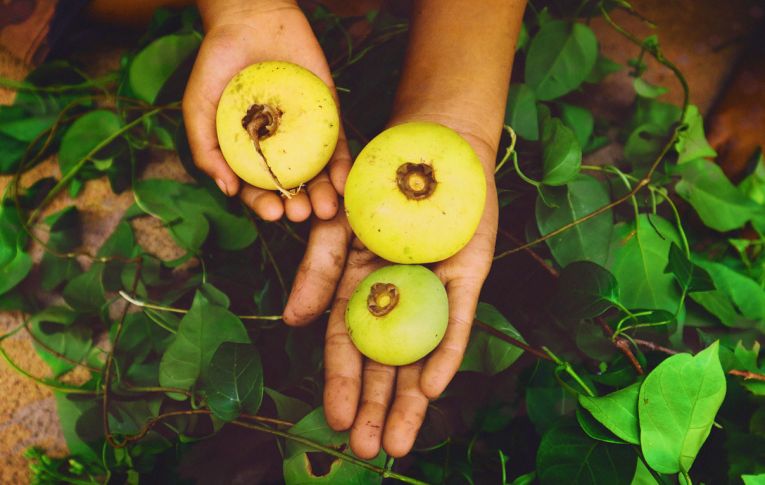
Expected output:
(484, 327)
(747, 375)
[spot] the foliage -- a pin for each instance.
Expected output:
(581, 368)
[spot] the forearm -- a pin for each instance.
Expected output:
(457, 68)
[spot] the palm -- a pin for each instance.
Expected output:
(358, 392)
(279, 34)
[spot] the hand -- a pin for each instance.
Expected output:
(358, 391)
(240, 33)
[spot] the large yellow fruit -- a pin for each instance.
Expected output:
(398, 314)
(416, 193)
(277, 125)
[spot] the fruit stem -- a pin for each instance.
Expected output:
(416, 180)
(261, 122)
(383, 297)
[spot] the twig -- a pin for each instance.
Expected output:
(152, 306)
(655, 347)
(747, 375)
(622, 344)
(484, 327)
(547, 267)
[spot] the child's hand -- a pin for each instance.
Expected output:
(240, 33)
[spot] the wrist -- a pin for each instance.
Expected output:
(216, 13)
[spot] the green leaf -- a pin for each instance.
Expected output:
(546, 399)
(657, 113)
(288, 407)
(644, 144)
(65, 229)
(190, 211)
(579, 120)
(677, 406)
(54, 328)
(753, 186)
(15, 264)
(155, 64)
(521, 112)
(567, 455)
(71, 408)
(638, 256)
(489, 354)
(719, 204)
(595, 430)
(617, 411)
(585, 290)
(745, 298)
(297, 465)
(647, 90)
(585, 241)
(84, 135)
(201, 331)
(233, 382)
(561, 153)
(692, 142)
(86, 291)
(748, 360)
(560, 57)
(603, 67)
(691, 277)
(753, 479)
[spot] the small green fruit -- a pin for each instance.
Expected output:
(416, 193)
(398, 314)
(277, 125)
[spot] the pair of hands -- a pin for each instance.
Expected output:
(382, 405)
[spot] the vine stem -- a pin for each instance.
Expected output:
(110, 357)
(152, 306)
(385, 473)
(66, 178)
(646, 179)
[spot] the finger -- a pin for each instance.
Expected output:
(323, 197)
(340, 164)
(199, 105)
(319, 270)
(298, 207)
(377, 389)
(342, 361)
(265, 203)
(407, 413)
(446, 359)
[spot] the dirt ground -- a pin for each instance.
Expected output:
(698, 36)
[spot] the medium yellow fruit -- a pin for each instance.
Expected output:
(277, 125)
(398, 314)
(416, 193)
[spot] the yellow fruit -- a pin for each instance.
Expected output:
(416, 193)
(398, 314)
(277, 125)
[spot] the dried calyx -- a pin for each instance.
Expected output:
(382, 298)
(261, 122)
(416, 180)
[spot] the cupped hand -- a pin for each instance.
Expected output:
(385, 405)
(240, 33)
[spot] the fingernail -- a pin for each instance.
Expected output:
(222, 186)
